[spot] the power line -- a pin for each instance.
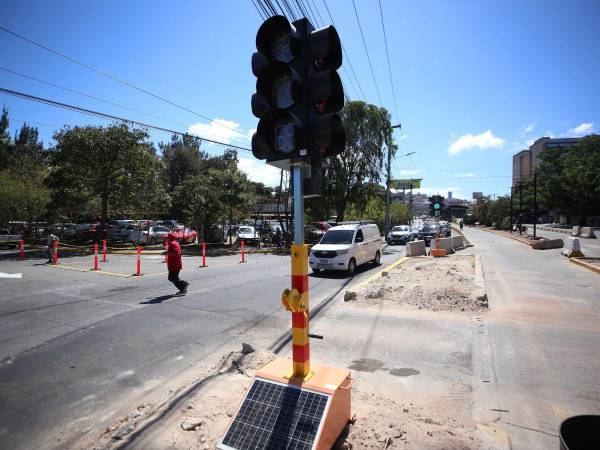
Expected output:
(367, 52)
(347, 56)
(387, 53)
(260, 12)
(107, 75)
(93, 113)
(93, 97)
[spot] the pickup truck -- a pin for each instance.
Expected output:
(9, 240)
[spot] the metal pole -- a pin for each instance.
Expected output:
(386, 224)
(520, 206)
(511, 209)
(534, 204)
(298, 206)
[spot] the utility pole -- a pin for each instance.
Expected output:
(534, 204)
(386, 224)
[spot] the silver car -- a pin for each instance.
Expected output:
(153, 235)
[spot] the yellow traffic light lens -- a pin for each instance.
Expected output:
(282, 92)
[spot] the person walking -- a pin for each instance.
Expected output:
(50, 246)
(174, 264)
(461, 223)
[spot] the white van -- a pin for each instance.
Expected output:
(346, 246)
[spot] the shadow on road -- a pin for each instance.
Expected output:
(160, 299)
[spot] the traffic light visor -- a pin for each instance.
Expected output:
(326, 91)
(328, 134)
(278, 86)
(326, 48)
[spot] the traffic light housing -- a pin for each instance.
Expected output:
(436, 204)
(298, 92)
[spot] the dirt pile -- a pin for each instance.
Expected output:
(437, 284)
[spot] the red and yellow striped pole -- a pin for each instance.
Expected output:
(300, 346)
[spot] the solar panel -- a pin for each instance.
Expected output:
(275, 416)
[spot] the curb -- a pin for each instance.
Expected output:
(378, 273)
(467, 242)
(522, 241)
(585, 265)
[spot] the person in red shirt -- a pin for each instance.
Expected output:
(174, 263)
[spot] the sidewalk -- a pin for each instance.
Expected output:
(539, 346)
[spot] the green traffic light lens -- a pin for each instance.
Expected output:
(436, 205)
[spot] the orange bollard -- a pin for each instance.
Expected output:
(139, 261)
(22, 251)
(55, 252)
(95, 257)
(204, 254)
(243, 260)
(104, 250)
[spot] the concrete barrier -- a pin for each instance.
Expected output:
(458, 243)
(445, 243)
(572, 249)
(415, 248)
(597, 233)
(576, 230)
(547, 244)
(588, 232)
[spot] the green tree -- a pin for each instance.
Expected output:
(182, 157)
(4, 140)
(399, 213)
(102, 164)
(368, 133)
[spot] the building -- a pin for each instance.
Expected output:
(526, 161)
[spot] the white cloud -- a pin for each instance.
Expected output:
(582, 130)
(404, 136)
(528, 129)
(259, 171)
(409, 172)
(465, 175)
(221, 130)
(251, 133)
(482, 141)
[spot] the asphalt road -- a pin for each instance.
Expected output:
(536, 355)
(78, 348)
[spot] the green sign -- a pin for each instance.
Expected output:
(405, 184)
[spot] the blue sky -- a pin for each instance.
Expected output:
(475, 81)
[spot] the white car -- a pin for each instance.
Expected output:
(153, 235)
(400, 234)
(247, 234)
(346, 246)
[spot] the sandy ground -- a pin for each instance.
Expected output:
(437, 284)
(413, 392)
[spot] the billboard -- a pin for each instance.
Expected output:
(477, 195)
(406, 184)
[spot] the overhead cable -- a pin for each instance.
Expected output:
(114, 78)
(91, 112)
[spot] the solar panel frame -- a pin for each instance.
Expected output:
(265, 434)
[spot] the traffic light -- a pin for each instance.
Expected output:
(298, 92)
(436, 204)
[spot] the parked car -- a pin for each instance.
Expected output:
(64, 230)
(120, 233)
(169, 224)
(87, 231)
(427, 233)
(344, 247)
(400, 234)
(247, 234)
(152, 236)
(184, 234)
(8, 239)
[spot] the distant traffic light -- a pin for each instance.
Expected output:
(298, 92)
(436, 204)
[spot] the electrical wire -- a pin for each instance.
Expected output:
(260, 13)
(99, 114)
(387, 53)
(347, 56)
(367, 52)
(93, 97)
(114, 78)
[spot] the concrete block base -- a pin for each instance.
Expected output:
(588, 232)
(458, 243)
(415, 248)
(548, 244)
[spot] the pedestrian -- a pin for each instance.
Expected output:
(461, 223)
(50, 245)
(278, 237)
(174, 264)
